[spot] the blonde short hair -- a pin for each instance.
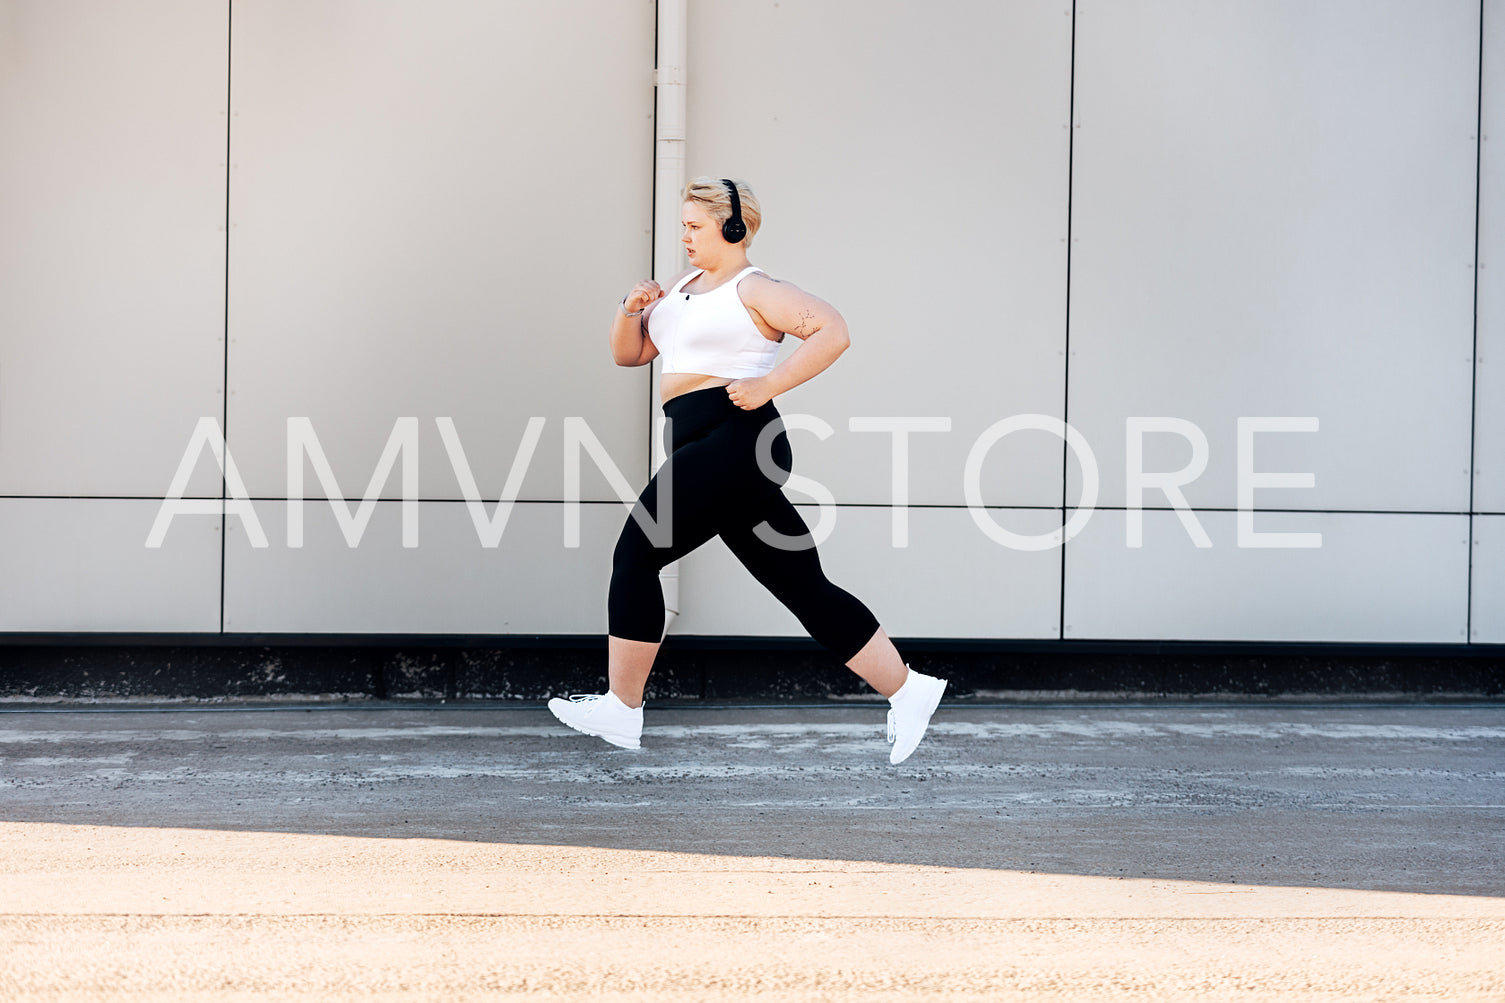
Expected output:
(712, 196)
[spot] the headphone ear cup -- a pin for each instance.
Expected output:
(733, 229)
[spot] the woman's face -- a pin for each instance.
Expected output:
(701, 234)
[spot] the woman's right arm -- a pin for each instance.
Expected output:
(630, 344)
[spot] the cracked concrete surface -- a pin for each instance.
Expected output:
(1180, 851)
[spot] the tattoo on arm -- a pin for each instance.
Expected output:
(806, 317)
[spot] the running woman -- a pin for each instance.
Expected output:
(718, 329)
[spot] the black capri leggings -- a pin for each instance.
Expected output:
(718, 490)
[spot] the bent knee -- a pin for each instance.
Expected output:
(634, 550)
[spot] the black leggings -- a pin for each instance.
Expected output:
(718, 490)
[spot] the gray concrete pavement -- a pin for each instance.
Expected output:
(1234, 817)
(1406, 798)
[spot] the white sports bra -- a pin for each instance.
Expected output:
(710, 333)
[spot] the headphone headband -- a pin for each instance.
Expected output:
(733, 229)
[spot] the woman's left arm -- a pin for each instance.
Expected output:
(788, 308)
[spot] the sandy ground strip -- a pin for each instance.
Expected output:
(126, 913)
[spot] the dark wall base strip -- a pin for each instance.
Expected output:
(532, 668)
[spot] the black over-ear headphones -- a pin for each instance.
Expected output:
(733, 229)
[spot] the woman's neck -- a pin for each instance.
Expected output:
(725, 269)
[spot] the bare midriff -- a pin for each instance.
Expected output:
(673, 384)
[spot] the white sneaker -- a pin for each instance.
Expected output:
(913, 704)
(602, 715)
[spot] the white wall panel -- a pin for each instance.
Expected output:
(531, 583)
(82, 564)
(112, 244)
(1489, 406)
(1488, 594)
(911, 160)
(434, 210)
(1375, 577)
(1273, 214)
(952, 580)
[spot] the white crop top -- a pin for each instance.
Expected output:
(711, 332)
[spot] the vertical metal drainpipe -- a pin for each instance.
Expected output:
(668, 184)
